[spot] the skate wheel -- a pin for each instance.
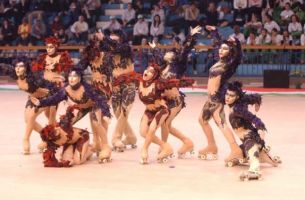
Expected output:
(164, 160)
(277, 159)
(241, 160)
(192, 152)
(172, 156)
(143, 161)
(229, 164)
(134, 146)
(202, 157)
(267, 149)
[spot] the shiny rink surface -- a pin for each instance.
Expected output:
(24, 177)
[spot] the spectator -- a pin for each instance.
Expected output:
(270, 24)
(240, 36)
(191, 17)
(24, 33)
(73, 14)
(276, 38)
(252, 39)
(129, 15)
(295, 27)
(286, 14)
(240, 9)
(80, 30)
(287, 39)
(157, 28)
(255, 7)
(56, 25)
(158, 11)
(177, 36)
(62, 36)
(252, 26)
(114, 24)
(211, 15)
(8, 32)
(225, 17)
(139, 8)
(264, 38)
(140, 30)
(38, 31)
(92, 9)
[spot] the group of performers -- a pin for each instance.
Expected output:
(53, 78)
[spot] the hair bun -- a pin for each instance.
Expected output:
(238, 84)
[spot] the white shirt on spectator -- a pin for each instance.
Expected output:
(292, 27)
(240, 37)
(129, 15)
(286, 14)
(240, 4)
(277, 40)
(140, 28)
(251, 41)
(114, 25)
(271, 25)
(79, 27)
(263, 40)
(156, 30)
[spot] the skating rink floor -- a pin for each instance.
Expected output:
(24, 177)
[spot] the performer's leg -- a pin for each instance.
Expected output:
(219, 118)
(204, 118)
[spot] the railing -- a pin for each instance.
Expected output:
(256, 58)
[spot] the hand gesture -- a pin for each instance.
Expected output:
(152, 44)
(195, 30)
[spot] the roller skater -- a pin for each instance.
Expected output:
(249, 128)
(230, 54)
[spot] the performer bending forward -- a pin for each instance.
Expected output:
(249, 128)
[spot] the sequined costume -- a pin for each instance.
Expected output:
(75, 142)
(225, 68)
(123, 90)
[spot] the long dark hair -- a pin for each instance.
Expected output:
(155, 23)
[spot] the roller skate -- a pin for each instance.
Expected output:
(144, 157)
(188, 146)
(165, 154)
(118, 146)
(41, 147)
(208, 153)
(105, 154)
(265, 157)
(249, 175)
(130, 141)
(235, 158)
(26, 147)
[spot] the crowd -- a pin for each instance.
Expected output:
(254, 22)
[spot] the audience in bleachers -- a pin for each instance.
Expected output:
(25, 22)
